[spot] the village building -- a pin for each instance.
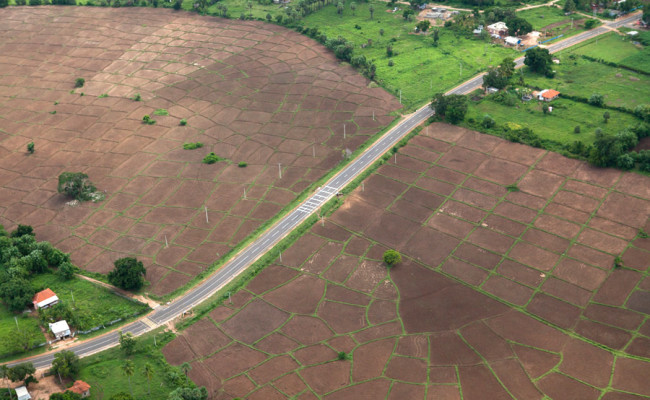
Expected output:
(512, 41)
(548, 95)
(81, 388)
(60, 329)
(498, 28)
(44, 299)
(22, 393)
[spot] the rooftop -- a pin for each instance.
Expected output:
(79, 387)
(43, 295)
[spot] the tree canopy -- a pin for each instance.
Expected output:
(67, 395)
(65, 364)
(519, 26)
(452, 107)
(128, 274)
(392, 257)
(76, 185)
(538, 60)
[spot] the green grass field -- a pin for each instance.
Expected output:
(580, 77)
(419, 69)
(552, 21)
(559, 124)
(619, 49)
(103, 371)
(8, 330)
(94, 305)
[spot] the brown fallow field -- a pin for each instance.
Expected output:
(250, 92)
(510, 286)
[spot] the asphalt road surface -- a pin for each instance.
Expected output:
(266, 241)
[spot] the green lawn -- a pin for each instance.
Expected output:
(559, 124)
(580, 77)
(94, 305)
(552, 21)
(103, 371)
(8, 330)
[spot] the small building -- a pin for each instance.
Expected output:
(633, 33)
(478, 30)
(548, 95)
(60, 329)
(435, 15)
(512, 41)
(498, 28)
(22, 393)
(492, 90)
(44, 299)
(81, 388)
(556, 61)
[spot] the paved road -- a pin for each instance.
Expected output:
(264, 243)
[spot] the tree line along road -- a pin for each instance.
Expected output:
(266, 241)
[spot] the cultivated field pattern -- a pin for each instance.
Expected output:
(251, 92)
(502, 294)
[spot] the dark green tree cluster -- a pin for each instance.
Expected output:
(615, 150)
(499, 77)
(128, 274)
(65, 365)
(20, 373)
(539, 60)
(451, 108)
(67, 395)
(21, 256)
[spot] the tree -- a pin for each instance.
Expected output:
(148, 371)
(129, 369)
(339, 9)
(569, 6)
(353, 7)
(67, 395)
(392, 257)
(16, 293)
(21, 372)
(545, 108)
(65, 365)
(436, 37)
(4, 372)
(423, 25)
(76, 185)
(507, 67)
(606, 116)
(23, 339)
(127, 343)
(407, 14)
(646, 15)
(66, 271)
(590, 23)
(452, 108)
(186, 368)
(538, 60)
(519, 26)
(494, 79)
(30, 147)
(371, 10)
(22, 230)
(597, 100)
(185, 393)
(128, 274)
(4, 3)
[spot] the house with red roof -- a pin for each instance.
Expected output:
(548, 95)
(81, 388)
(44, 299)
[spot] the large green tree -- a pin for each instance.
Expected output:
(67, 395)
(17, 293)
(519, 26)
(185, 393)
(452, 107)
(76, 185)
(538, 60)
(21, 372)
(65, 365)
(128, 274)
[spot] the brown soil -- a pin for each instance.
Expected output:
(197, 70)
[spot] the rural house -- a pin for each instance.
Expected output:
(81, 388)
(498, 29)
(60, 329)
(548, 95)
(44, 299)
(22, 393)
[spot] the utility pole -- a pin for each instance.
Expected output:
(280, 170)
(343, 131)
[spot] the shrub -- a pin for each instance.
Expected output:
(381, 32)
(137, 97)
(597, 100)
(576, 129)
(341, 356)
(512, 187)
(30, 147)
(590, 23)
(53, 112)
(390, 62)
(643, 234)
(79, 82)
(211, 159)
(183, 122)
(148, 120)
(77, 186)
(488, 122)
(392, 257)
(161, 111)
(389, 51)
(66, 271)
(192, 146)
(103, 95)
(242, 165)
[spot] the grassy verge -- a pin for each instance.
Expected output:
(552, 22)
(103, 371)
(619, 49)
(10, 324)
